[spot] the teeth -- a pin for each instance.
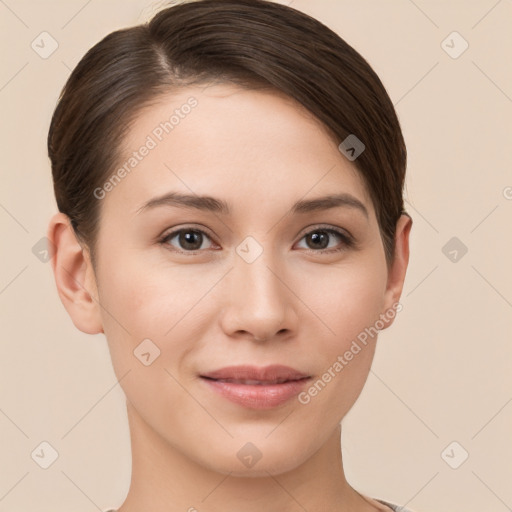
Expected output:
(252, 382)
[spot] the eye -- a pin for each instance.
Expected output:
(319, 237)
(189, 239)
(192, 239)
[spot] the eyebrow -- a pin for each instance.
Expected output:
(212, 204)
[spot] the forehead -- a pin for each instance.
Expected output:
(243, 145)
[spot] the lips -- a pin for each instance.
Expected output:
(256, 388)
(252, 375)
(249, 382)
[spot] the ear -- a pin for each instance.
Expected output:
(74, 276)
(397, 271)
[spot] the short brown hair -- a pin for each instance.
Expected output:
(249, 42)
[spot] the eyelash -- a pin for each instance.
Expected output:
(347, 241)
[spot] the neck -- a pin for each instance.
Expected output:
(163, 479)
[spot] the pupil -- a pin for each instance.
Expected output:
(318, 237)
(187, 239)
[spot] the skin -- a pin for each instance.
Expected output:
(260, 152)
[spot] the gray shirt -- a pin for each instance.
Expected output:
(393, 507)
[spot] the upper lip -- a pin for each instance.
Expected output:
(272, 373)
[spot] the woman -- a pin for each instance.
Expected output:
(229, 182)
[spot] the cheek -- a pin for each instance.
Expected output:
(130, 304)
(346, 301)
(147, 338)
(141, 302)
(348, 307)
(132, 290)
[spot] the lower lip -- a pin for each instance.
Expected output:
(265, 396)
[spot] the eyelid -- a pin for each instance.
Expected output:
(327, 227)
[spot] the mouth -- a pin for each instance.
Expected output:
(256, 388)
(245, 374)
(249, 382)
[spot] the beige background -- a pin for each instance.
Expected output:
(441, 372)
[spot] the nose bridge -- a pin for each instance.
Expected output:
(255, 269)
(259, 301)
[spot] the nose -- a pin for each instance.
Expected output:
(259, 303)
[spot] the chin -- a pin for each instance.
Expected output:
(259, 470)
(256, 459)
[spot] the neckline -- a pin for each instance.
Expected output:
(383, 506)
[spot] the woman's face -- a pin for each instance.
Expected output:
(254, 283)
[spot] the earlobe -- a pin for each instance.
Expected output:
(398, 269)
(74, 276)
